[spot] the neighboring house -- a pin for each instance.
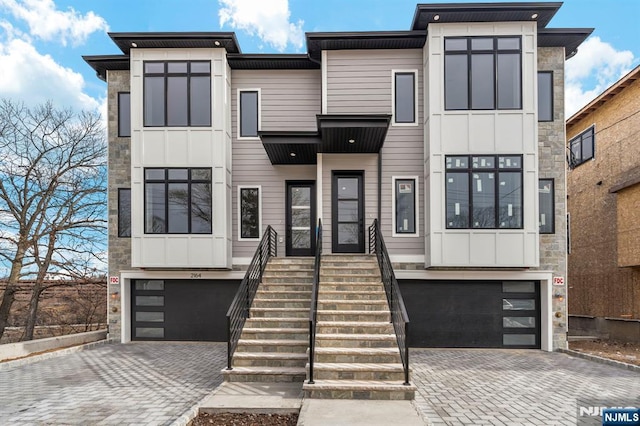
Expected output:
(444, 132)
(603, 193)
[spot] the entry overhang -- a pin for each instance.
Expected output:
(287, 147)
(347, 133)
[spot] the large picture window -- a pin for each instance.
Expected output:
(177, 93)
(546, 221)
(404, 97)
(250, 211)
(582, 147)
(124, 114)
(177, 201)
(124, 212)
(249, 113)
(483, 73)
(405, 206)
(484, 191)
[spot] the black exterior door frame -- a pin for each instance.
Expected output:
(344, 214)
(301, 246)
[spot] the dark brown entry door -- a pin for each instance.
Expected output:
(347, 212)
(301, 218)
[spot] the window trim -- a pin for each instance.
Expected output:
(415, 121)
(416, 208)
(120, 234)
(573, 164)
(120, 135)
(550, 94)
(239, 113)
(239, 212)
(553, 204)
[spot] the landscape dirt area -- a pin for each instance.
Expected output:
(245, 419)
(618, 351)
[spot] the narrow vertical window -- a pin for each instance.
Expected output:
(405, 207)
(404, 97)
(249, 113)
(124, 114)
(546, 220)
(124, 212)
(545, 96)
(250, 210)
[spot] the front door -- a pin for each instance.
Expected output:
(301, 218)
(347, 213)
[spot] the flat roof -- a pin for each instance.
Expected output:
(184, 40)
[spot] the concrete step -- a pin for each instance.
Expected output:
(355, 277)
(353, 305)
(350, 258)
(351, 294)
(357, 355)
(275, 333)
(287, 279)
(281, 303)
(289, 266)
(352, 269)
(279, 313)
(369, 389)
(292, 260)
(294, 286)
(265, 374)
(326, 285)
(290, 322)
(269, 359)
(356, 341)
(274, 294)
(361, 371)
(273, 345)
(270, 273)
(352, 315)
(353, 327)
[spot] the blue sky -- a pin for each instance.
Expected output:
(42, 41)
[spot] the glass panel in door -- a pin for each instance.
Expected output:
(300, 219)
(347, 214)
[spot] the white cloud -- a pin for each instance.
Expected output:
(268, 19)
(48, 23)
(596, 66)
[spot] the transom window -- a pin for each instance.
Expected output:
(582, 147)
(483, 73)
(177, 93)
(484, 191)
(177, 201)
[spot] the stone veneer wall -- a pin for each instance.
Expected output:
(552, 164)
(119, 163)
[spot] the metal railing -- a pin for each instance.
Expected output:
(239, 310)
(399, 316)
(313, 311)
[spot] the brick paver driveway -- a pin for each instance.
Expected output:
(139, 383)
(514, 387)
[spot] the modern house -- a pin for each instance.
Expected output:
(603, 191)
(449, 135)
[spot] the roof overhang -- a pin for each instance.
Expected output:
(317, 42)
(569, 38)
(346, 133)
(291, 147)
(540, 12)
(271, 61)
(176, 40)
(103, 63)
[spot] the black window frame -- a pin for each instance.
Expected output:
(396, 181)
(495, 51)
(240, 124)
(580, 139)
(552, 215)
(469, 170)
(165, 75)
(189, 181)
(550, 94)
(124, 214)
(414, 76)
(121, 133)
(241, 235)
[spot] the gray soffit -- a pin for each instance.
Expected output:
(317, 42)
(176, 40)
(291, 147)
(569, 38)
(541, 12)
(103, 63)
(271, 62)
(346, 133)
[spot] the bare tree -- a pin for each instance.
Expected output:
(52, 194)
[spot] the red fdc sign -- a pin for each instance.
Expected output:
(114, 280)
(558, 280)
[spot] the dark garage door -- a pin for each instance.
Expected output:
(473, 314)
(181, 309)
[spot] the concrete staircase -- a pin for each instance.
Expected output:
(274, 341)
(356, 354)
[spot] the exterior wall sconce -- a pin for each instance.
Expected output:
(115, 296)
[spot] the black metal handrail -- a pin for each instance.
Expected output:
(239, 310)
(313, 311)
(399, 316)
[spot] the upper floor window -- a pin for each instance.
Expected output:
(482, 73)
(484, 191)
(177, 201)
(248, 113)
(250, 209)
(124, 212)
(582, 147)
(404, 97)
(177, 93)
(545, 96)
(124, 114)
(546, 205)
(405, 206)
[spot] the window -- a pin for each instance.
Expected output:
(484, 192)
(546, 206)
(545, 96)
(124, 212)
(248, 113)
(404, 97)
(405, 206)
(582, 147)
(177, 201)
(124, 114)
(249, 212)
(482, 72)
(177, 93)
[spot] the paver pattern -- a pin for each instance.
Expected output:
(150, 383)
(514, 387)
